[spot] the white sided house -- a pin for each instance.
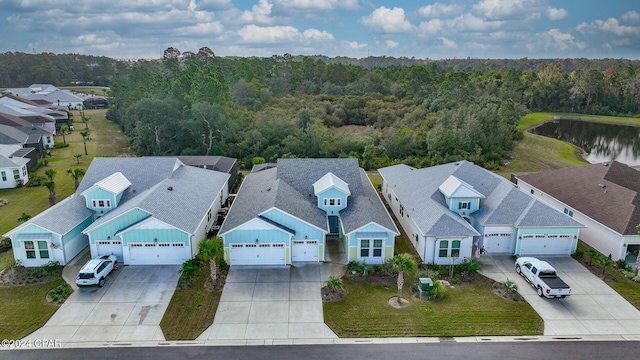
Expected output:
(459, 210)
(145, 211)
(298, 209)
(605, 197)
(13, 171)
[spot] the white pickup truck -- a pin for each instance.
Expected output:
(542, 277)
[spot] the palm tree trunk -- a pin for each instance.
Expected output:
(213, 267)
(76, 183)
(400, 285)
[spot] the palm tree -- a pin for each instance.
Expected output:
(64, 130)
(50, 185)
(592, 255)
(403, 263)
(85, 136)
(24, 217)
(208, 250)
(77, 156)
(76, 174)
(604, 262)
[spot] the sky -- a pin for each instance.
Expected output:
(133, 29)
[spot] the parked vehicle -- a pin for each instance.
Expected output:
(542, 277)
(96, 271)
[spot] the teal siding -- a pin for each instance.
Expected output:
(34, 229)
(250, 236)
(388, 244)
(151, 235)
(77, 230)
(110, 228)
(100, 194)
(332, 194)
(454, 205)
(302, 229)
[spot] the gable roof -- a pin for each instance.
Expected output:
(502, 204)
(218, 163)
(9, 162)
(329, 181)
(289, 187)
(12, 135)
(456, 188)
(115, 183)
(608, 193)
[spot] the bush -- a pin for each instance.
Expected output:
(427, 273)
(578, 254)
(60, 293)
(468, 266)
(5, 245)
(437, 291)
(511, 286)
(360, 267)
(50, 268)
(60, 145)
(335, 283)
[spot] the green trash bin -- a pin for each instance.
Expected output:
(426, 284)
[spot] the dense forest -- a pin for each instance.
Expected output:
(380, 110)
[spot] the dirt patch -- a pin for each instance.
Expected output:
(393, 302)
(332, 295)
(20, 275)
(379, 279)
(501, 290)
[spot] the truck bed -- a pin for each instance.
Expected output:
(554, 282)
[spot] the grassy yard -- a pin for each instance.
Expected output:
(533, 119)
(25, 309)
(191, 311)
(466, 310)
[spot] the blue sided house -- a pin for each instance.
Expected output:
(143, 210)
(460, 210)
(296, 210)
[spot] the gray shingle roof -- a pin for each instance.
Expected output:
(289, 187)
(417, 190)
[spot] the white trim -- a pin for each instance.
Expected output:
(293, 216)
(374, 223)
(92, 228)
(145, 224)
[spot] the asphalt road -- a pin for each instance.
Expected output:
(565, 350)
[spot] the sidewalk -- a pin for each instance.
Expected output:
(72, 268)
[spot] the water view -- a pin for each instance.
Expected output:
(601, 142)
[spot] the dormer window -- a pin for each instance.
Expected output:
(101, 203)
(464, 205)
(333, 202)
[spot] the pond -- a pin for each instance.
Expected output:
(600, 142)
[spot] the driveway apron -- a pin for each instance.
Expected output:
(128, 308)
(271, 303)
(593, 308)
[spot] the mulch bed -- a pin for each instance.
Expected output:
(501, 290)
(20, 275)
(331, 295)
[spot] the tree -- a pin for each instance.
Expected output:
(64, 130)
(403, 263)
(85, 136)
(85, 120)
(24, 217)
(77, 156)
(591, 254)
(208, 250)
(76, 174)
(50, 185)
(211, 119)
(604, 262)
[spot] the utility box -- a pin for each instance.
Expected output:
(426, 284)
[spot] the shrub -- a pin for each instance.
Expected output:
(427, 273)
(456, 279)
(386, 268)
(469, 266)
(60, 293)
(621, 264)
(360, 267)
(511, 286)
(50, 268)
(437, 291)
(578, 254)
(5, 245)
(60, 145)
(335, 283)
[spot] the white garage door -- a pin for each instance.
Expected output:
(546, 245)
(498, 243)
(110, 247)
(257, 254)
(158, 254)
(304, 250)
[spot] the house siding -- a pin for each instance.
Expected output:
(20, 254)
(454, 205)
(302, 229)
(11, 182)
(332, 194)
(406, 223)
(100, 194)
(432, 249)
(387, 245)
(110, 228)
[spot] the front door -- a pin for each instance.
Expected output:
(334, 225)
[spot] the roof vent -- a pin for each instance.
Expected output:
(170, 188)
(602, 186)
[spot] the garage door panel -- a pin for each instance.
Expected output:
(304, 250)
(110, 247)
(158, 254)
(257, 254)
(498, 243)
(546, 245)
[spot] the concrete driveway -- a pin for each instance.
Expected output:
(128, 308)
(592, 309)
(273, 303)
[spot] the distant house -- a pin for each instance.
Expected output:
(50, 94)
(218, 163)
(295, 211)
(605, 197)
(95, 102)
(143, 210)
(13, 171)
(459, 210)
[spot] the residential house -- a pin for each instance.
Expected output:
(218, 163)
(459, 210)
(143, 210)
(605, 197)
(297, 210)
(50, 94)
(13, 171)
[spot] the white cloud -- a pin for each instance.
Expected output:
(430, 27)
(555, 14)
(631, 17)
(324, 5)
(259, 14)
(510, 9)
(387, 20)
(353, 45)
(449, 44)
(390, 44)
(253, 34)
(555, 39)
(211, 5)
(209, 28)
(469, 22)
(317, 35)
(439, 10)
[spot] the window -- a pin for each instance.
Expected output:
(371, 247)
(42, 251)
(464, 205)
(445, 251)
(332, 202)
(16, 174)
(4, 176)
(24, 171)
(100, 203)
(532, 192)
(568, 212)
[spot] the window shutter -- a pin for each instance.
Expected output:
(459, 205)
(469, 205)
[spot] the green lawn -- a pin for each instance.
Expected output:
(466, 310)
(25, 309)
(191, 311)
